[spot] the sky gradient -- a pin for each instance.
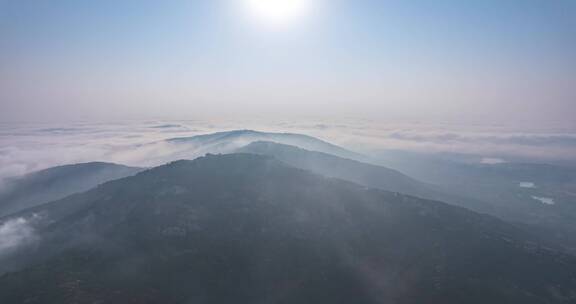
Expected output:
(512, 60)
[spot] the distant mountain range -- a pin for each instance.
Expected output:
(58, 182)
(365, 174)
(540, 196)
(517, 191)
(286, 218)
(227, 142)
(247, 228)
(493, 189)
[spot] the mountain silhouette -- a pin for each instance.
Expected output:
(511, 187)
(362, 173)
(57, 182)
(245, 228)
(226, 142)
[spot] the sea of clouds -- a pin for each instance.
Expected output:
(26, 147)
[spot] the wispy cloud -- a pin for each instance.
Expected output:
(15, 233)
(29, 147)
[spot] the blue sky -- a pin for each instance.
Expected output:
(404, 59)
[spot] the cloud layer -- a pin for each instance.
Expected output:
(29, 147)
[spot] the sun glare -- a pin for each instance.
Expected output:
(278, 12)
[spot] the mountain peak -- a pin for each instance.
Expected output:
(228, 141)
(240, 227)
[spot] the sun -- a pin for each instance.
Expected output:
(278, 12)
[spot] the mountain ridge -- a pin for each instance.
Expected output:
(359, 172)
(53, 183)
(227, 141)
(246, 227)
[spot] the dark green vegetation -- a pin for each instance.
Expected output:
(244, 228)
(55, 183)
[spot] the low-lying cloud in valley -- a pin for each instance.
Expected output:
(30, 147)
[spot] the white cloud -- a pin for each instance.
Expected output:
(527, 185)
(544, 200)
(29, 147)
(15, 233)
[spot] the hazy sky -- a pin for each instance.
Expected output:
(406, 59)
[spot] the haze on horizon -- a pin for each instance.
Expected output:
(510, 61)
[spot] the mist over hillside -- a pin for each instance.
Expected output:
(242, 227)
(250, 223)
(287, 152)
(27, 147)
(55, 183)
